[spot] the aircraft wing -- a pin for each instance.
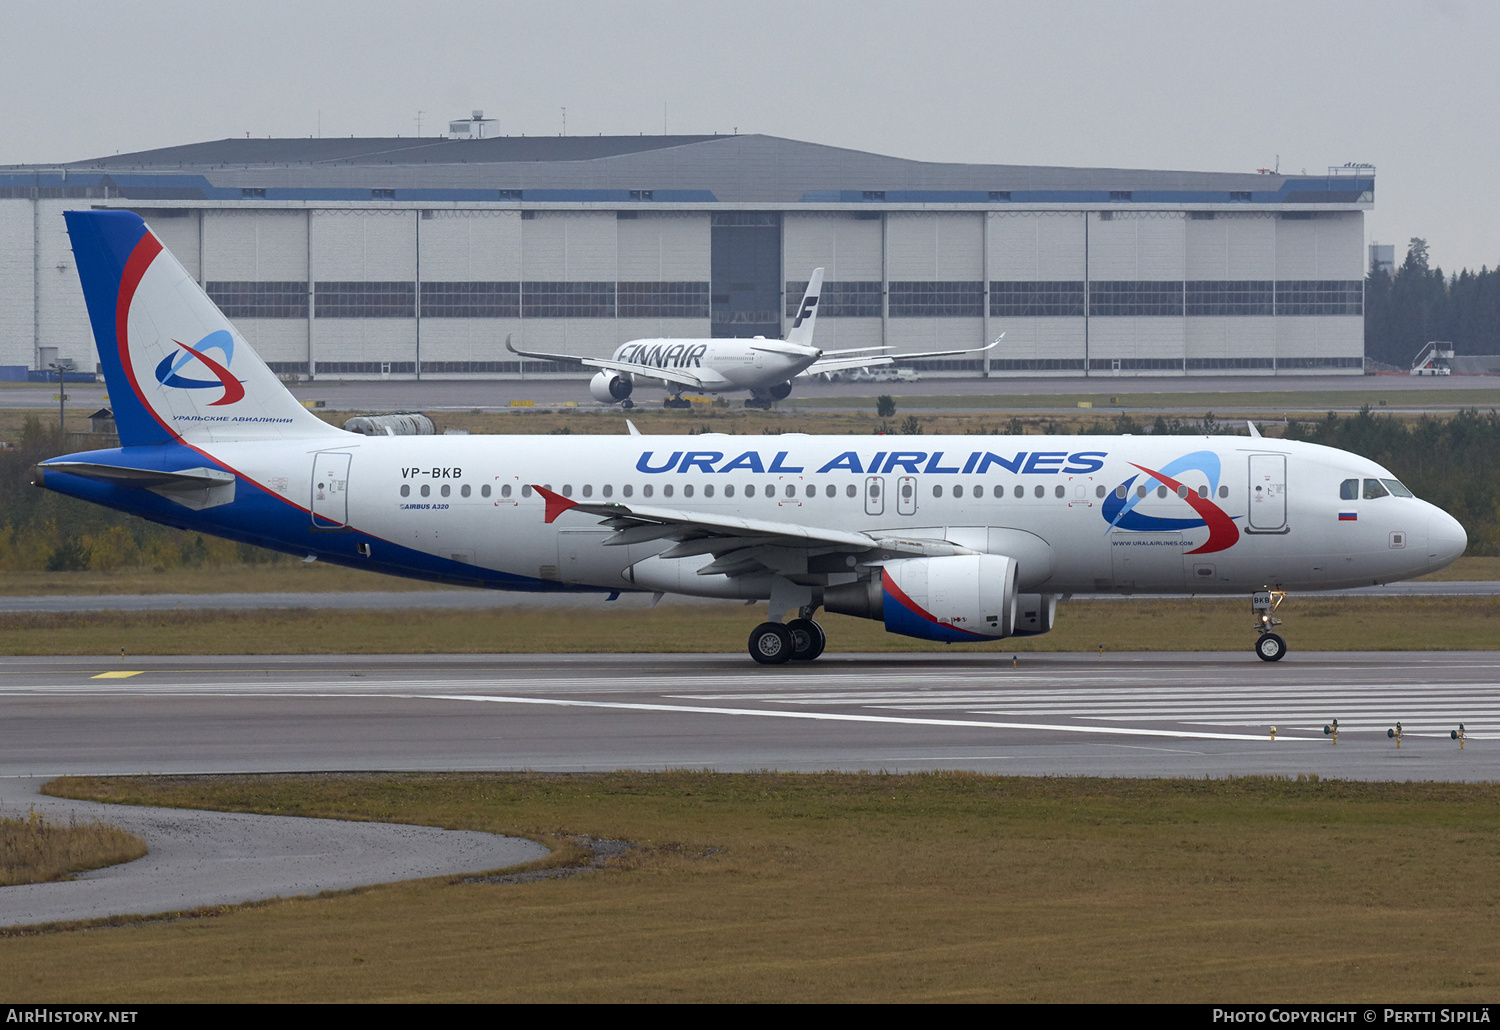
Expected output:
(738, 545)
(840, 364)
(667, 375)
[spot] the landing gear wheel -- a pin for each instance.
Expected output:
(1270, 647)
(808, 639)
(771, 643)
(627, 404)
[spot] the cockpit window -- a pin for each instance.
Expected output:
(1395, 487)
(1373, 489)
(1349, 490)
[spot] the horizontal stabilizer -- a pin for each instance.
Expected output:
(195, 488)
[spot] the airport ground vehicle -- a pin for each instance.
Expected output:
(942, 538)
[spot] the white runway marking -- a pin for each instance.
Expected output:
(836, 716)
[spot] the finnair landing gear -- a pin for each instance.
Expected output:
(1269, 647)
(771, 643)
(808, 639)
(676, 400)
(768, 396)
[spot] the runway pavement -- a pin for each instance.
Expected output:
(1138, 714)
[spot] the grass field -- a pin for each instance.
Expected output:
(1328, 624)
(784, 887)
(35, 850)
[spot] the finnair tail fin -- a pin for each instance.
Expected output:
(802, 328)
(177, 370)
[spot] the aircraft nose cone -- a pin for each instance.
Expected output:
(1446, 539)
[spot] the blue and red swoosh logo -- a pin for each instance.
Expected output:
(168, 373)
(1120, 512)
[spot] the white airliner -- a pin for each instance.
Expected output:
(764, 367)
(959, 538)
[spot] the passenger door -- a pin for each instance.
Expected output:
(330, 490)
(1267, 494)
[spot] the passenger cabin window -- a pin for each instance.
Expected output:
(687, 491)
(465, 490)
(937, 491)
(1223, 491)
(851, 490)
(1020, 491)
(1060, 492)
(1041, 491)
(1349, 490)
(405, 490)
(426, 490)
(1373, 489)
(627, 489)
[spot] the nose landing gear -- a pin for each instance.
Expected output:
(1269, 647)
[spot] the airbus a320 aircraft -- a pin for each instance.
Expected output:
(764, 367)
(941, 538)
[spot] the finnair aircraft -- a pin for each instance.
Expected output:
(764, 367)
(942, 538)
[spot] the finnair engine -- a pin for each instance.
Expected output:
(961, 597)
(609, 388)
(781, 391)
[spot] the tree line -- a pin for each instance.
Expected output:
(1416, 303)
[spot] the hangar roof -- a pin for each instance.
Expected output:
(690, 169)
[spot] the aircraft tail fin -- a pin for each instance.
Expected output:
(177, 370)
(802, 327)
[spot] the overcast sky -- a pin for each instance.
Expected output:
(1231, 86)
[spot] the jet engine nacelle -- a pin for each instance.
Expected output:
(781, 391)
(609, 388)
(1035, 614)
(961, 597)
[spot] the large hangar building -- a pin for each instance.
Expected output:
(407, 258)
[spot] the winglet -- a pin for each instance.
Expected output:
(508, 346)
(556, 503)
(633, 430)
(1253, 430)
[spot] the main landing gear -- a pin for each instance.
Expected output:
(773, 643)
(1269, 647)
(676, 400)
